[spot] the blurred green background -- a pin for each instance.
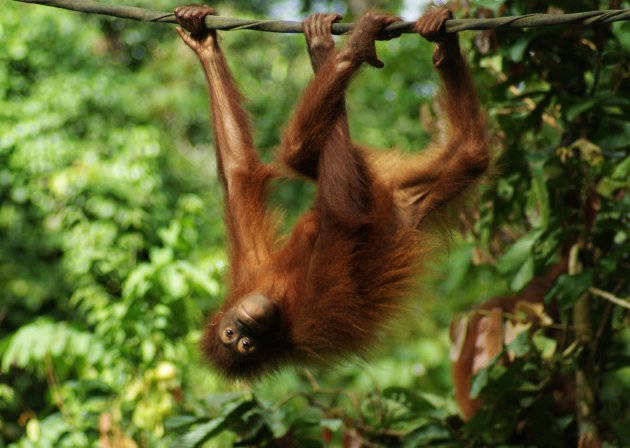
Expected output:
(112, 239)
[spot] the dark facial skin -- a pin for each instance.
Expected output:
(245, 327)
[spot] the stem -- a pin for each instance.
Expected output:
(586, 374)
(624, 303)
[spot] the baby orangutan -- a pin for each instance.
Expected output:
(327, 290)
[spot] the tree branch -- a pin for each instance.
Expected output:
(624, 303)
(280, 26)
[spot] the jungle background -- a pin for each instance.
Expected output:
(112, 245)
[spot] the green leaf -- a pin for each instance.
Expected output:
(520, 345)
(569, 288)
(479, 382)
(30, 346)
(148, 350)
(524, 275)
(180, 421)
(518, 261)
(333, 424)
(620, 178)
(409, 398)
(201, 279)
(139, 281)
(505, 190)
(200, 433)
(607, 186)
(161, 255)
(580, 107)
(238, 408)
(173, 281)
(622, 170)
(537, 206)
(518, 48)
(546, 346)
(427, 435)
(170, 235)
(518, 253)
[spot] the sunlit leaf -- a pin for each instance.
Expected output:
(546, 345)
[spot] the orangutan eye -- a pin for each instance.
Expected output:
(228, 335)
(246, 346)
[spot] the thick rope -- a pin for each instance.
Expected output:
(281, 26)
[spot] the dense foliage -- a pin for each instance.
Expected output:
(112, 241)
